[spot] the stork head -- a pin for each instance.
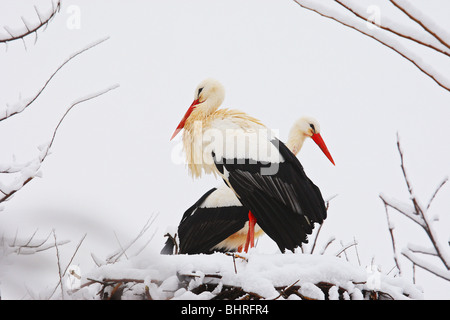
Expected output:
(307, 127)
(208, 96)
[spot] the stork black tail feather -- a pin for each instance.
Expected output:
(168, 248)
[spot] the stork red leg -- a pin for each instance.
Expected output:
(251, 232)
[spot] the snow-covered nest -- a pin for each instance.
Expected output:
(251, 276)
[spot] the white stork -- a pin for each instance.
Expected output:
(265, 175)
(218, 221)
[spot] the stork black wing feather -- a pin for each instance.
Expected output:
(200, 229)
(207, 227)
(285, 204)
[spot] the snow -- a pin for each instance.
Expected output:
(260, 274)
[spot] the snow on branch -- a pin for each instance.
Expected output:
(22, 104)
(254, 277)
(419, 214)
(236, 276)
(389, 33)
(29, 28)
(428, 25)
(426, 265)
(31, 169)
(27, 246)
(399, 30)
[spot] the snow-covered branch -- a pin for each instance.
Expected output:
(30, 28)
(258, 277)
(31, 170)
(419, 18)
(22, 104)
(419, 214)
(27, 246)
(122, 251)
(426, 265)
(389, 33)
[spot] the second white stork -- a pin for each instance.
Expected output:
(218, 221)
(265, 175)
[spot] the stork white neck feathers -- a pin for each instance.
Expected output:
(306, 127)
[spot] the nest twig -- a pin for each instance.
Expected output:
(112, 289)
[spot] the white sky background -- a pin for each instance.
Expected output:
(111, 166)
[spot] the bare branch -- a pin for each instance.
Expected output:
(316, 235)
(116, 256)
(317, 230)
(345, 247)
(417, 207)
(436, 192)
(330, 241)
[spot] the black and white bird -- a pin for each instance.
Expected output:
(218, 221)
(262, 172)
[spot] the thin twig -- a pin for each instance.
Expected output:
(68, 265)
(113, 258)
(345, 248)
(316, 235)
(120, 245)
(330, 241)
(282, 291)
(356, 250)
(315, 238)
(59, 265)
(391, 233)
(417, 207)
(436, 192)
(235, 255)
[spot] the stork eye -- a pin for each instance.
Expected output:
(199, 91)
(312, 127)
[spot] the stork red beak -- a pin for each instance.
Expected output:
(319, 141)
(183, 121)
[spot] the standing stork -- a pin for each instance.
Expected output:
(265, 175)
(218, 221)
